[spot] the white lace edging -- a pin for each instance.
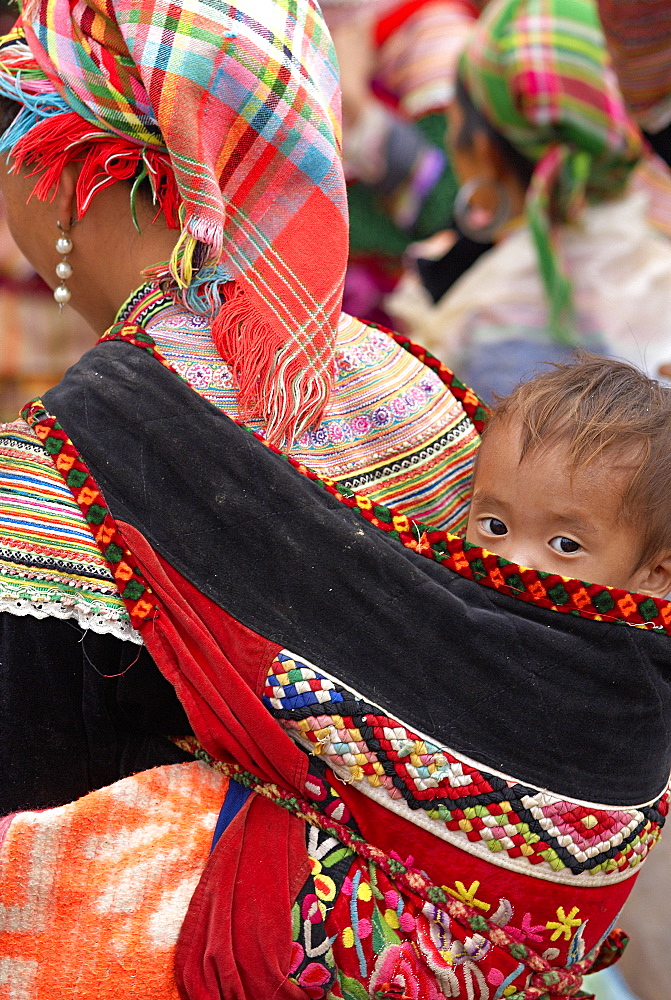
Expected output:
(96, 617)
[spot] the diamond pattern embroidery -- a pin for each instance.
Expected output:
(505, 815)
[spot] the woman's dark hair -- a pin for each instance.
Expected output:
(473, 122)
(9, 109)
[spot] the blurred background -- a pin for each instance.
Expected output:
(409, 255)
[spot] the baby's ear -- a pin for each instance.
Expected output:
(654, 578)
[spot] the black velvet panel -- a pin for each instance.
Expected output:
(64, 729)
(578, 706)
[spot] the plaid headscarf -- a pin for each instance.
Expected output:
(538, 72)
(239, 104)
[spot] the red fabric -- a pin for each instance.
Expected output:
(386, 26)
(445, 863)
(189, 641)
(236, 940)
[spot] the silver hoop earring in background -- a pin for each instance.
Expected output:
(63, 268)
(463, 213)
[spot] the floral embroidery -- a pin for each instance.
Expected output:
(402, 406)
(564, 923)
(399, 972)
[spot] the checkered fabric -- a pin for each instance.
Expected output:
(538, 72)
(244, 97)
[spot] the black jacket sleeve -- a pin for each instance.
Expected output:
(78, 710)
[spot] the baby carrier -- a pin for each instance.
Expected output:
(440, 771)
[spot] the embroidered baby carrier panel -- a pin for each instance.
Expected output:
(495, 817)
(390, 430)
(50, 565)
(435, 783)
(361, 911)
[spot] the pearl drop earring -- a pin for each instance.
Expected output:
(63, 268)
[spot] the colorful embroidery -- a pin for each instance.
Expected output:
(49, 563)
(471, 403)
(383, 901)
(130, 583)
(313, 966)
(390, 430)
(508, 823)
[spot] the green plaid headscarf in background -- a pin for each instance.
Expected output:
(538, 72)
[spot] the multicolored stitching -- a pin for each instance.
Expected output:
(135, 592)
(506, 816)
(470, 401)
(547, 981)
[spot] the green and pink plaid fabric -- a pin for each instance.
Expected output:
(245, 98)
(538, 72)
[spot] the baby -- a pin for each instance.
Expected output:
(574, 475)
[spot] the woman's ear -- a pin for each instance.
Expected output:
(654, 578)
(65, 198)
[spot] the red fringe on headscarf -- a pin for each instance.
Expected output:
(267, 368)
(105, 159)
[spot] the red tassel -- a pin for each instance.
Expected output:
(277, 380)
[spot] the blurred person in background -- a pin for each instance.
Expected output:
(544, 150)
(398, 69)
(638, 35)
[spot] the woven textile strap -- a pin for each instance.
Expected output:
(549, 590)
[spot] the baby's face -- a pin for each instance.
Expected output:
(537, 515)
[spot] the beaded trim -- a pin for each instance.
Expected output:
(55, 604)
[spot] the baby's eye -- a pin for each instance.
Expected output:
(493, 526)
(562, 544)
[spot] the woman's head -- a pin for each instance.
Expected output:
(233, 116)
(467, 124)
(537, 72)
(482, 157)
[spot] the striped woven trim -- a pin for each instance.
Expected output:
(134, 590)
(50, 565)
(472, 405)
(391, 429)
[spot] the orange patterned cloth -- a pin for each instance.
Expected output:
(93, 894)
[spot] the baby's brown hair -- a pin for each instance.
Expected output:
(593, 406)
